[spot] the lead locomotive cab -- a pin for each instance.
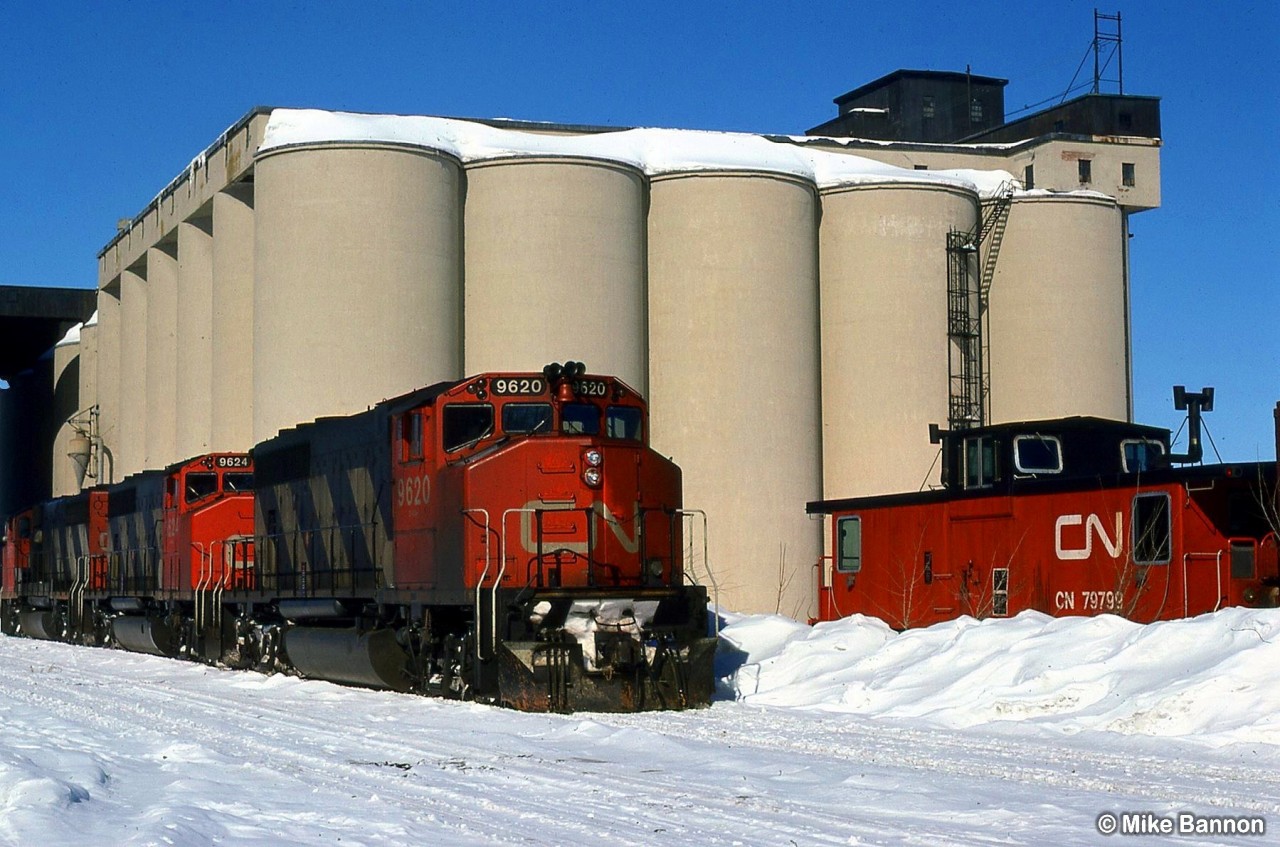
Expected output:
(510, 536)
(1067, 516)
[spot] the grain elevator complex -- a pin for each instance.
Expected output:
(797, 308)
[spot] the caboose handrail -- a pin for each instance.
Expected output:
(706, 562)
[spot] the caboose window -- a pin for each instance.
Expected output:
(1151, 529)
(850, 534)
(1140, 454)
(465, 423)
(1037, 454)
(520, 418)
(979, 462)
(201, 485)
(580, 419)
(623, 422)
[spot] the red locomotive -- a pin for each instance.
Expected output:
(507, 537)
(1075, 516)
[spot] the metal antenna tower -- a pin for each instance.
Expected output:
(1106, 30)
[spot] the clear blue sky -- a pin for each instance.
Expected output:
(101, 104)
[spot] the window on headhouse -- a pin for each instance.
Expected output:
(1152, 531)
(922, 167)
(975, 111)
(1029, 177)
(849, 559)
(1086, 170)
(1127, 174)
(926, 110)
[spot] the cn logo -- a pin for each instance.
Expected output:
(1093, 526)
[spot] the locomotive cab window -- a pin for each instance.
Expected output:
(1036, 454)
(624, 422)
(849, 559)
(411, 436)
(979, 462)
(201, 485)
(237, 482)
(465, 423)
(520, 418)
(580, 419)
(1140, 454)
(1152, 531)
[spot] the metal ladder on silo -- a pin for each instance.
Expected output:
(968, 336)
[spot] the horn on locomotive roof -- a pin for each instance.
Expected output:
(561, 377)
(1194, 403)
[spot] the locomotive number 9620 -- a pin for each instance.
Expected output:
(519, 385)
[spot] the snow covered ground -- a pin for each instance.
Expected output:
(1016, 732)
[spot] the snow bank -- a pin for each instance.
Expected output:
(653, 151)
(1215, 678)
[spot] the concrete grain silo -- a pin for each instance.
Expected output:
(161, 424)
(66, 402)
(192, 395)
(734, 372)
(1058, 311)
(555, 266)
(231, 335)
(356, 279)
(106, 376)
(883, 259)
(131, 431)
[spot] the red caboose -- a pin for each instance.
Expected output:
(1075, 516)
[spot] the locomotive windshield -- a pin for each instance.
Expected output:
(466, 423)
(624, 422)
(237, 482)
(580, 419)
(519, 418)
(201, 485)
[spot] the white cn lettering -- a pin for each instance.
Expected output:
(1093, 526)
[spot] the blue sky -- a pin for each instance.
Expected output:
(101, 104)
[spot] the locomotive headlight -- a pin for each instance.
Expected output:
(593, 458)
(592, 477)
(654, 567)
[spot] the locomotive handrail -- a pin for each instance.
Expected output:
(706, 562)
(199, 587)
(484, 573)
(497, 581)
